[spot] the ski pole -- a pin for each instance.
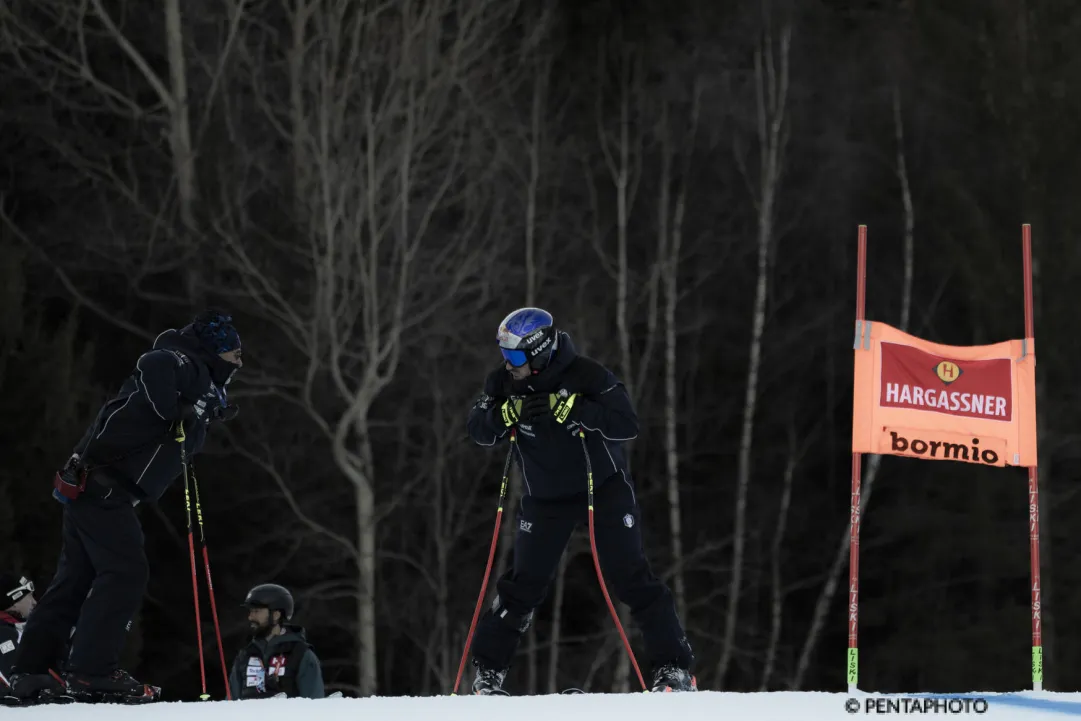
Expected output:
(487, 568)
(597, 564)
(181, 437)
(210, 585)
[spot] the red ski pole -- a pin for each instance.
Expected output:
(488, 568)
(210, 588)
(597, 565)
(181, 437)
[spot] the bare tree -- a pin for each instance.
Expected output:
(623, 157)
(173, 97)
(670, 239)
(623, 154)
(796, 451)
(450, 501)
(771, 64)
(528, 144)
(874, 461)
(87, 63)
(392, 219)
(557, 618)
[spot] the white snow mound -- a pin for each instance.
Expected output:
(704, 706)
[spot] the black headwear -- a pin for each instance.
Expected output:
(272, 596)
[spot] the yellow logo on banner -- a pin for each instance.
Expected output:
(947, 372)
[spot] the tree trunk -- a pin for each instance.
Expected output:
(621, 682)
(777, 599)
(180, 126)
(623, 181)
(671, 415)
(531, 660)
(874, 461)
(441, 533)
(772, 92)
(540, 83)
(557, 620)
(366, 612)
(671, 420)
(297, 112)
(622, 211)
(909, 214)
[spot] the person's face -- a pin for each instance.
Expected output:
(261, 620)
(519, 373)
(234, 357)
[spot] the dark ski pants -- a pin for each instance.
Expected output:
(98, 587)
(543, 529)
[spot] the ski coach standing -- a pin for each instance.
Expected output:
(131, 453)
(546, 393)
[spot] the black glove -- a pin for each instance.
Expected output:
(224, 413)
(189, 414)
(535, 407)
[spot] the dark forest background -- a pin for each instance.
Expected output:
(370, 186)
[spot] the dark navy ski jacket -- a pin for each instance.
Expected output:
(550, 454)
(132, 443)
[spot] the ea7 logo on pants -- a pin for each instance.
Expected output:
(525, 526)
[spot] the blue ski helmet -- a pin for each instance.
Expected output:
(527, 335)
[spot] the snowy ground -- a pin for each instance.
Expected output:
(705, 705)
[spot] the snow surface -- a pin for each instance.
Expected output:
(714, 706)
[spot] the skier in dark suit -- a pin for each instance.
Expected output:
(130, 454)
(547, 393)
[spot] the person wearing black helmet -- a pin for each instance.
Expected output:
(278, 660)
(16, 602)
(130, 454)
(547, 394)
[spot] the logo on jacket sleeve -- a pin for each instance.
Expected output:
(628, 521)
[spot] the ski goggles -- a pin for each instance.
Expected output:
(516, 358)
(25, 586)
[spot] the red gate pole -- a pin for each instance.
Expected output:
(854, 522)
(1033, 488)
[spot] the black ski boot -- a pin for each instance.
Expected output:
(118, 686)
(669, 678)
(29, 689)
(29, 685)
(489, 682)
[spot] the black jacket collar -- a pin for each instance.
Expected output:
(184, 341)
(548, 380)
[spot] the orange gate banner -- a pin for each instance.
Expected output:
(960, 403)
